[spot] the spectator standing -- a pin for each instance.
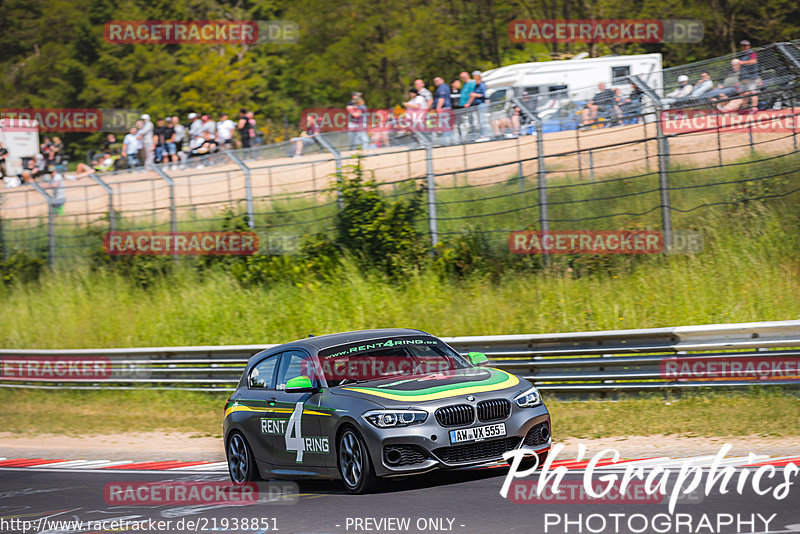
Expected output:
(244, 129)
(130, 145)
(749, 73)
(425, 93)
(180, 133)
(357, 122)
(160, 133)
(146, 135)
(455, 93)
(467, 86)
(139, 142)
(170, 153)
(225, 128)
(195, 127)
(477, 100)
(442, 106)
(58, 154)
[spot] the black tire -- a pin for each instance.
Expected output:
(241, 463)
(354, 463)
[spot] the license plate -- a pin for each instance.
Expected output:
(478, 433)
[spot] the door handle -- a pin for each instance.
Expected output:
(271, 401)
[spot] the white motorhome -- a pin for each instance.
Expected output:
(571, 79)
(21, 138)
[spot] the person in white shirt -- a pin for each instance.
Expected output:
(425, 93)
(130, 148)
(146, 137)
(225, 128)
(196, 127)
(683, 90)
(704, 85)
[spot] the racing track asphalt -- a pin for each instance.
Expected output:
(470, 499)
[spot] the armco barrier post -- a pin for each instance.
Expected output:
(173, 221)
(112, 217)
(51, 225)
(433, 226)
(248, 190)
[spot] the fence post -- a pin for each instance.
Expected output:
(663, 159)
(541, 172)
(2, 243)
(172, 212)
(251, 222)
(520, 170)
(663, 179)
(51, 225)
(112, 216)
(578, 152)
(591, 165)
(433, 226)
(326, 146)
(794, 121)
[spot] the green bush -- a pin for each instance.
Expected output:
(21, 267)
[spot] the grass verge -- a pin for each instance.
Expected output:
(758, 412)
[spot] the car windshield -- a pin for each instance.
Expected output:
(387, 358)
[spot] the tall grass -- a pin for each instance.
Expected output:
(748, 271)
(744, 274)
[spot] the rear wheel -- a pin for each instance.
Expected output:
(355, 466)
(241, 463)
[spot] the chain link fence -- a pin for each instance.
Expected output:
(524, 162)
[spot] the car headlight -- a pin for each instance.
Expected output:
(395, 418)
(528, 399)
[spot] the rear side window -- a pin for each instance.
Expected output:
(296, 363)
(262, 376)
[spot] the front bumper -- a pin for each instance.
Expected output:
(423, 447)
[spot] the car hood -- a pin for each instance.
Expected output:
(433, 386)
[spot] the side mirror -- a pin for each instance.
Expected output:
(477, 358)
(299, 384)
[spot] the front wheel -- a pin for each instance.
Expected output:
(355, 466)
(241, 464)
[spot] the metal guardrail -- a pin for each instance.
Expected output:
(577, 362)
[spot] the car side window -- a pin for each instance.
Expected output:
(262, 374)
(295, 363)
